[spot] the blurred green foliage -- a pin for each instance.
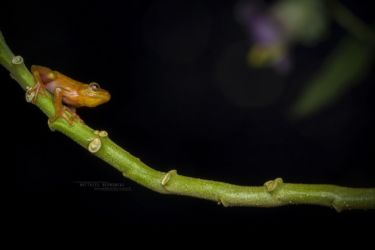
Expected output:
(350, 62)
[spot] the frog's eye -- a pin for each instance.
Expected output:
(94, 85)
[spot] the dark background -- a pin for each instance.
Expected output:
(182, 98)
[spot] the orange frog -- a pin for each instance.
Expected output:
(68, 91)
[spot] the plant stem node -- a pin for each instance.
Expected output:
(16, 60)
(167, 177)
(95, 145)
(273, 184)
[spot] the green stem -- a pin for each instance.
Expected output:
(272, 194)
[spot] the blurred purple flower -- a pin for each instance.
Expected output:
(263, 28)
(274, 30)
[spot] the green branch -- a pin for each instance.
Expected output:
(272, 194)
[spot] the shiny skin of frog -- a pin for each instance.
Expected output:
(66, 90)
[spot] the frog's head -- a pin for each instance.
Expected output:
(94, 95)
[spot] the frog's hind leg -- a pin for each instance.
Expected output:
(65, 112)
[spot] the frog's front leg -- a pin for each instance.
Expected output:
(39, 86)
(57, 101)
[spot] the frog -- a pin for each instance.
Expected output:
(68, 94)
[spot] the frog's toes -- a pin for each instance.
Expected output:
(33, 92)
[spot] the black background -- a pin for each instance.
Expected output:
(168, 66)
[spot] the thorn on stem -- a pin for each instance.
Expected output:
(50, 125)
(339, 205)
(167, 177)
(273, 184)
(101, 133)
(95, 145)
(16, 60)
(221, 201)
